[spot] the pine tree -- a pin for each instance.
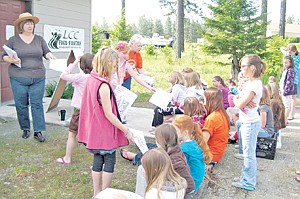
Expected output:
(121, 31)
(168, 28)
(236, 29)
(145, 26)
(158, 27)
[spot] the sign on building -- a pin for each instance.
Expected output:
(63, 39)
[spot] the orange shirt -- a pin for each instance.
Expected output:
(136, 56)
(216, 124)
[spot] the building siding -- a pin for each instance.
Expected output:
(67, 13)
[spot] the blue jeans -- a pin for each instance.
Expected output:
(127, 83)
(25, 91)
(240, 141)
(249, 132)
(137, 158)
(298, 90)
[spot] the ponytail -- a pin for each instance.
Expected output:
(255, 60)
(263, 67)
(198, 136)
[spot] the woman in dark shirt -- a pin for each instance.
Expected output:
(28, 81)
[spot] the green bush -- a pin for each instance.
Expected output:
(67, 94)
(295, 39)
(150, 50)
(50, 88)
(273, 57)
(168, 55)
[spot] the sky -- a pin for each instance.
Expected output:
(111, 10)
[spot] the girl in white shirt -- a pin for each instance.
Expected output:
(178, 91)
(248, 101)
(193, 85)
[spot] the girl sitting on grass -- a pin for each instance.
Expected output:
(195, 109)
(178, 91)
(194, 148)
(167, 139)
(266, 116)
(277, 107)
(161, 178)
(217, 124)
(218, 82)
(193, 85)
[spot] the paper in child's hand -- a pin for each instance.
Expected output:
(139, 140)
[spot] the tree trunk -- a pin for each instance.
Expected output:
(235, 67)
(264, 12)
(282, 18)
(180, 28)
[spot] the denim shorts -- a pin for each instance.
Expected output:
(104, 162)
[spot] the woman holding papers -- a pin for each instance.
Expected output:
(127, 66)
(134, 54)
(28, 79)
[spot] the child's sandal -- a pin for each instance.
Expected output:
(124, 154)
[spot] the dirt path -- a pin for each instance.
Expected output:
(275, 178)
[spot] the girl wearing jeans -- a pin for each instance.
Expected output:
(252, 67)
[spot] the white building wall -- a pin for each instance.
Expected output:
(66, 13)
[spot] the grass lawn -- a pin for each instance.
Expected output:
(158, 67)
(28, 168)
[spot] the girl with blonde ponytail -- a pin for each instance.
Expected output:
(194, 147)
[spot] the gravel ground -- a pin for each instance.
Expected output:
(275, 178)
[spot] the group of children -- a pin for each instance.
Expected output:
(95, 104)
(194, 139)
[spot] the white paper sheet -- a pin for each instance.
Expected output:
(232, 110)
(58, 64)
(161, 98)
(77, 53)
(11, 53)
(139, 140)
(116, 193)
(10, 31)
(125, 99)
